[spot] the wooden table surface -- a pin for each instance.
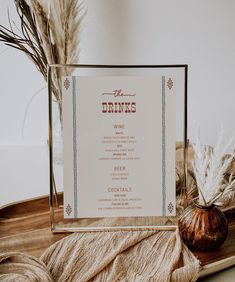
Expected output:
(25, 227)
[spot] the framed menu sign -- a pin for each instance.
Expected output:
(118, 141)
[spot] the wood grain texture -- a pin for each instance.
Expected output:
(25, 227)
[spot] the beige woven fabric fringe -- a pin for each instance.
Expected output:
(108, 256)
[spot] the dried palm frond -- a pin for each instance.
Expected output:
(210, 167)
(65, 22)
(48, 34)
(226, 195)
(43, 27)
(28, 41)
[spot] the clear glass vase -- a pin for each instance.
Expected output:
(57, 142)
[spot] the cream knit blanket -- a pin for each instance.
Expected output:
(106, 256)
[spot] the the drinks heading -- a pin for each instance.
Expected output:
(120, 106)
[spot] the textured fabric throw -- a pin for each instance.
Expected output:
(126, 256)
(106, 256)
(18, 267)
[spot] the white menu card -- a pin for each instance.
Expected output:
(119, 146)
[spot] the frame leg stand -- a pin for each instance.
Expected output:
(55, 192)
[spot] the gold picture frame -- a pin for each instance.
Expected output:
(58, 222)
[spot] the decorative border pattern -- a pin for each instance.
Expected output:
(163, 146)
(68, 209)
(66, 84)
(170, 83)
(170, 207)
(75, 147)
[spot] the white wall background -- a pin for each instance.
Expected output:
(198, 33)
